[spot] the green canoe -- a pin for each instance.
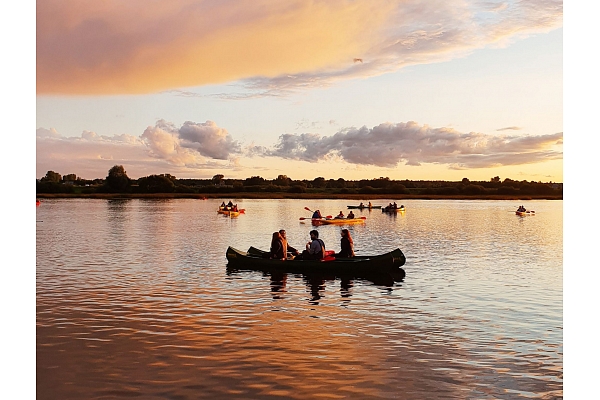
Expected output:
(388, 263)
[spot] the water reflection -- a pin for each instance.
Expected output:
(316, 286)
(346, 286)
(278, 284)
(133, 298)
(315, 283)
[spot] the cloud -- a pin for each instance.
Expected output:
(46, 133)
(89, 156)
(186, 144)
(208, 139)
(195, 147)
(116, 47)
(388, 144)
(163, 147)
(509, 128)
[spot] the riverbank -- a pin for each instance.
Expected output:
(266, 195)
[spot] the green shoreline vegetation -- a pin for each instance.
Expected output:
(117, 185)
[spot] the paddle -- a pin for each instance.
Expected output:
(308, 209)
(327, 217)
(330, 217)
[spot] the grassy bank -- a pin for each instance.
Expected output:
(279, 195)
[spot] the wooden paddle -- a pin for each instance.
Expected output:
(330, 217)
(308, 209)
(327, 217)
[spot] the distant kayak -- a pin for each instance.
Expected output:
(524, 213)
(393, 210)
(338, 221)
(229, 213)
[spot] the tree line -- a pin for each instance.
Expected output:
(117, 181)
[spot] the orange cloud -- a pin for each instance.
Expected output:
(138, 46)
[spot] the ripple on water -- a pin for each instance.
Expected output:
(133, 300)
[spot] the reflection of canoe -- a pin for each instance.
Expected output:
(338, 221)
(364, 207)
(387, 263)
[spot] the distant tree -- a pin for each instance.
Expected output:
(69, 177)
(297, 189)
(408, 184)
(117, 179)
(380, 182)
(474, 189)
(156, 184)
(254, 181)
(396, 188)
(282, 180)
(272, 188)
(299, 183)
(170, 177)
(495, 179)
(367, 190)
(52, 176)
(319, 182)
(217, 179)
(465, 181)
(507, 190)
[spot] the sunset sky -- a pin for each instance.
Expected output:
(413, 89)
(439, 90)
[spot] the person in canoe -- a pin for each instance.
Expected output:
(317, 214)
(350, 215)
(347, 245)
(315, 249)
(361, 205)
(277, 250)
(370, 205)
(286, 246)
(234, 207)
(340, 215)
(222, 206)
(395, 206)
(521, 209)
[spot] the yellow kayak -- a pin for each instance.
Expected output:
(229, 213)
(340, 221)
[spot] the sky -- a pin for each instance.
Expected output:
(499, 75)
(411, 89)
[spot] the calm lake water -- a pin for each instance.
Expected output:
(134, 300)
